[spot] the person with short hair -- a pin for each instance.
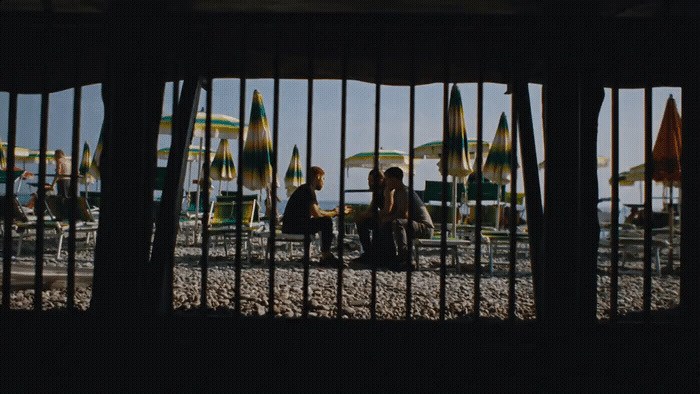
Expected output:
(61, 181)
(302, 215)
(367, 221)
(394, 221)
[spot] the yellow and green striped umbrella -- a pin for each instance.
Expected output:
(257, 151)
(497, 165)
(21, 154)
(193, 153)
(85, 165)
(433, 150)
(222, 168)
(387, 158)
(294, 177)
(222, 126)
(457, 163)
(94, 170)
(3, 159)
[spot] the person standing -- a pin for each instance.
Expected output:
(61, 181)
(302, 215)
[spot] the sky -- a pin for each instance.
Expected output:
(394, 125)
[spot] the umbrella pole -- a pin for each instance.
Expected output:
(670, 226)
(454, 206)
(498, 208)
(199, 187)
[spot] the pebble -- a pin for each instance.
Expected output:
(357, 287)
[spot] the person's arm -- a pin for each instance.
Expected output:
(317, 212)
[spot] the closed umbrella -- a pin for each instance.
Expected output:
(497, 165)
(95, 166)
(667, 158)
(85, 167)
(257, 151)
(294, 177)
(222, 168)
(457, 165)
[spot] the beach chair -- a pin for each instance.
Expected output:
(26, 223)
(223, 223)
(58, 211)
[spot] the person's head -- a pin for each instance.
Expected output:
(316, 177)
(394, 177)
(58, 155)
(375, 179)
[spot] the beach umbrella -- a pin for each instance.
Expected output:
(433, 150)
(85, 167)
(602, 163)
(95, 166)
(222, 126)
(497, 165)
(257, 151)
(457, 164)
(667, 158)
(386, 159)
(21, 154)
(294, 177)
(3, 159)
(222, 168)
(193, 153)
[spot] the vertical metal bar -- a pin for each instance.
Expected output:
(614, 207)
(309, 134)
(513, 205)
(479, 191)
(70, 280)
(341, 224)
(204, 262)
(411, 186)
(377, 101)
(443, 219)
(239, 194)
(647, 201)
(41, 202)
(273, 186)
(9, 197)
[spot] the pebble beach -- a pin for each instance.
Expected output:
(356, 291)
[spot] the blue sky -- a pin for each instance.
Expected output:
(360, 124)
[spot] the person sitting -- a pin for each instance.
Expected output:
(367, 221)
(392, 240)
(302, 215)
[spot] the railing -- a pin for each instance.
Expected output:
(516, 119)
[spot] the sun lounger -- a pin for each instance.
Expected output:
(223, 223)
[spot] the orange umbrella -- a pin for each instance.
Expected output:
(667, 148)
(667, 158)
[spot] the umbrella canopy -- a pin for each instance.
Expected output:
(602, 163)
(21, 154)
(457, 163)
(497, 164)
(294, 177)
(85, 165)
(193, 153)
(257, 151)
(222, 168)
(433, 150)
(222, 126)
(387, 159)
(667, 148)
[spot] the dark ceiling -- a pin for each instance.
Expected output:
(628, 43)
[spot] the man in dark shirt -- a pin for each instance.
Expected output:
(392, 238)
(302, 215)
(367, 220)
